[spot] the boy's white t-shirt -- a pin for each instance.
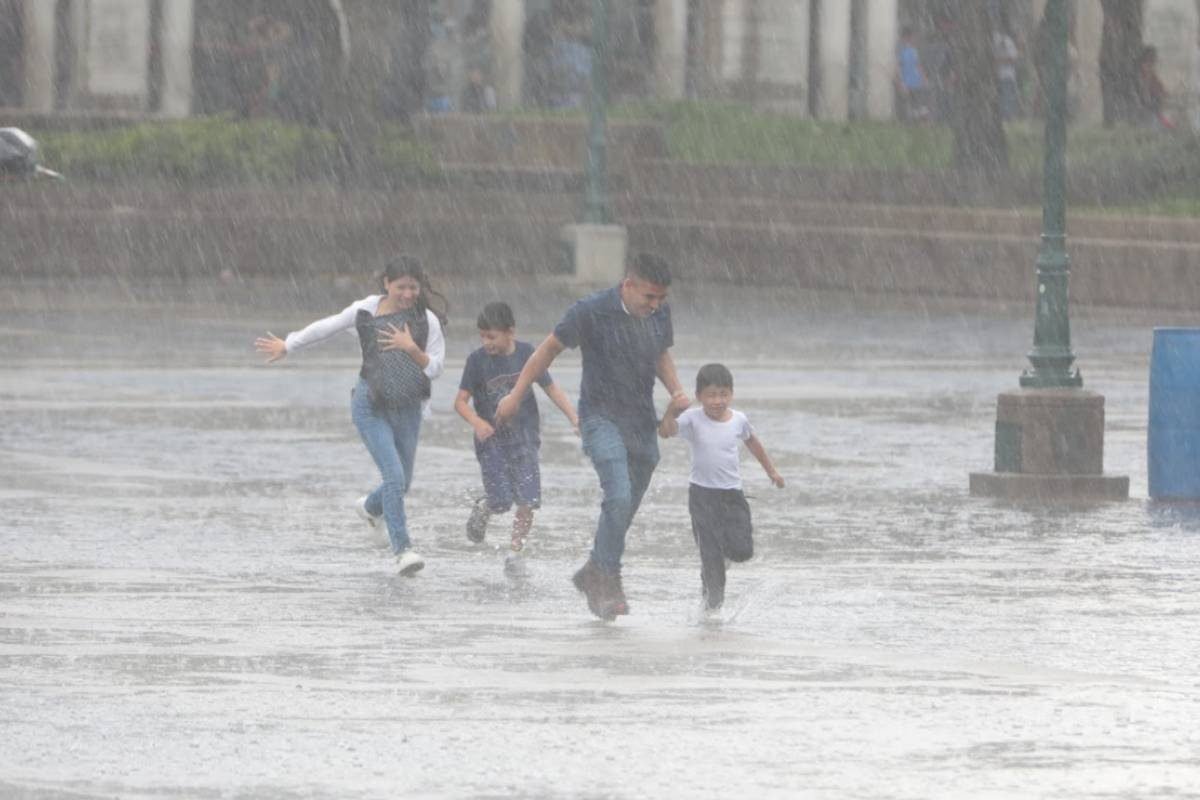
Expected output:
(714, 447)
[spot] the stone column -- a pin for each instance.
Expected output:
(733, 33)
(1089, 25)
(37, 22)
(508, 62)
(881, 23)
(176, 46)
(834, 42)
(783, 53)
(670, 59)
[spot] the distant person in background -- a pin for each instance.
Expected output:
(439, 66)
(1152, 94)
(478, 97)
(911, 86)
(570, 69)
(1005, 55)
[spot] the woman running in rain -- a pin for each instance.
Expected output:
(403, 350)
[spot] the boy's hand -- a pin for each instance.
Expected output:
(484, 431)
(668, 427)
(575, 426)
(776, 479)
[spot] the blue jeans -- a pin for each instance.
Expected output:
(391, 438)
(624, 461)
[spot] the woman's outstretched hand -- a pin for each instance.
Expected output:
(397, 339)
(271, 346)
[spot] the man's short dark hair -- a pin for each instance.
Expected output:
(649, 267)
(496, 316)
(717, 375)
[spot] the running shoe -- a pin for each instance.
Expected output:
(409, 563)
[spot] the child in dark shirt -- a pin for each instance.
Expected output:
(508, 454)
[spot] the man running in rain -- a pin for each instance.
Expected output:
(625, 335)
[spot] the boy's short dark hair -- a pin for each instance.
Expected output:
(649, 267)
(496, 316)
(717, 375)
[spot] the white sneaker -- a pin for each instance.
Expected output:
(360, 508)
(409, 563)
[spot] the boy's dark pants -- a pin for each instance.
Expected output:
(721, 525)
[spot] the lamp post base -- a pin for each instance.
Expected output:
(1050, 446)
(598, 253)
(1049, 488)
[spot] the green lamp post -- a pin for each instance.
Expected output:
(596, 210)
(1050, 432)
(1051, 357)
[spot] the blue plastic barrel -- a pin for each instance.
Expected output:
(1173, 439)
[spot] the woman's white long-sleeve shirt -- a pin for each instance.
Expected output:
(344, 320)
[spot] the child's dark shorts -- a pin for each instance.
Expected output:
(510, 474)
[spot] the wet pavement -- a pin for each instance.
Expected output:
(189, 607)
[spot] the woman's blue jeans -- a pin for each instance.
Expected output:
(624, 462)
(391, 438)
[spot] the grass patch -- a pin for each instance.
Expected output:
(195, 150)
(206, 150)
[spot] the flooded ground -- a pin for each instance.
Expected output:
(189, 607)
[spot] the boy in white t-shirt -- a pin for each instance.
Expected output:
(720, 513)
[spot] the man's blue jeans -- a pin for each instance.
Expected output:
(391, 438)
(624, 461)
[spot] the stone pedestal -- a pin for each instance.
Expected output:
(1050, 446)
(599, 253)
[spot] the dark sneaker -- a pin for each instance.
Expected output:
(620, 606)
(477, 523)
(605, 597)
(590, 580)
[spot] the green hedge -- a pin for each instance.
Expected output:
(217, 149)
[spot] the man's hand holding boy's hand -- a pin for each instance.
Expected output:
(680, 403)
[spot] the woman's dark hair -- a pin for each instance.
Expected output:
(409, 267)
(496, 316)
(717, 375)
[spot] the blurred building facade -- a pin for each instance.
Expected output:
(829, 59)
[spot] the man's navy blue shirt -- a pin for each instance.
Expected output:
(489, 378)
(620, 353)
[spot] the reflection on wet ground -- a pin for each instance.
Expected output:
(190, 608)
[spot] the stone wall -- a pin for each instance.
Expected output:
(121, 234)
